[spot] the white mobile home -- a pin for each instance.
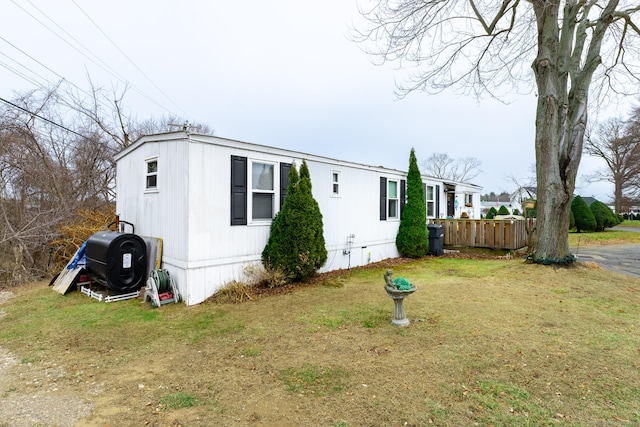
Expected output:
(211, 201)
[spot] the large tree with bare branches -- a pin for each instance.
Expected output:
(617, 143)
(496, 47)
(442, 166)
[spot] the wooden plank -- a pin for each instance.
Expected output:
(481, 233)
(67, 277)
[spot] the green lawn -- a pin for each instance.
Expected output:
(606, 237)
(491, 342)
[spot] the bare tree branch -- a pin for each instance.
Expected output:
(440, 165)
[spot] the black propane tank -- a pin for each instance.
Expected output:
(119, 260)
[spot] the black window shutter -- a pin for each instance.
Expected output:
(403, 195)
(437, 201)
(284, 181)
(383, 198)
(424, 192)
(238, 190)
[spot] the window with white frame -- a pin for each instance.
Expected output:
(468, 200)
(262, 191)
(335, 183)
(430, 201)
(392, 200)
(152, 174)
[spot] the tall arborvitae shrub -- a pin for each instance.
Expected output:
(585, 221)
(492, 212)
(275, 254)
(413, 238)
(572, 220)
(503, 210)
(296, 242)
(605, 218)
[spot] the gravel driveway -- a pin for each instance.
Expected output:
(35, 397)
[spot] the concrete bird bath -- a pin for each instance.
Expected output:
(398, 296)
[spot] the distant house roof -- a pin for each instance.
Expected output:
(589, 200)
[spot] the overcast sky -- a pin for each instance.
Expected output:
(281, 73)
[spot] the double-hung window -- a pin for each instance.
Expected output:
(262, 191)
(430, 201)
(152, 174)
(392, 200)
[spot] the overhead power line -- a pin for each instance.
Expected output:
(31, 80)
(128, 59)
(42, 118)
(30, 57)
(97, 61)
(104, 67)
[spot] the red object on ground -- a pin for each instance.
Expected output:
(165, 295)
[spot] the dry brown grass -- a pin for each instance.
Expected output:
(233, 292)
(491, 342)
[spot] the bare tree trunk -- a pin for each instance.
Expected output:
(564, 69)
(617, 196)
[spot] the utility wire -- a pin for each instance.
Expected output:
(70, 36)
(106, 68)
(20, 74)
(42, 118)
(30, 57)
(38, 84)
(128, 59)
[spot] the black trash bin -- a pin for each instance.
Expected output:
(436, 239)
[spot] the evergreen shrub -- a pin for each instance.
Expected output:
(585, 221)
(492, 213)
(503, 210)
(412, 239)
(572, 220)
(296, 243)
(605, 218)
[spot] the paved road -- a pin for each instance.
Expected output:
(623, 259)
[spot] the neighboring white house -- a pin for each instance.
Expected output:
(211, 201)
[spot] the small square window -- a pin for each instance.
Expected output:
(152, 174)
